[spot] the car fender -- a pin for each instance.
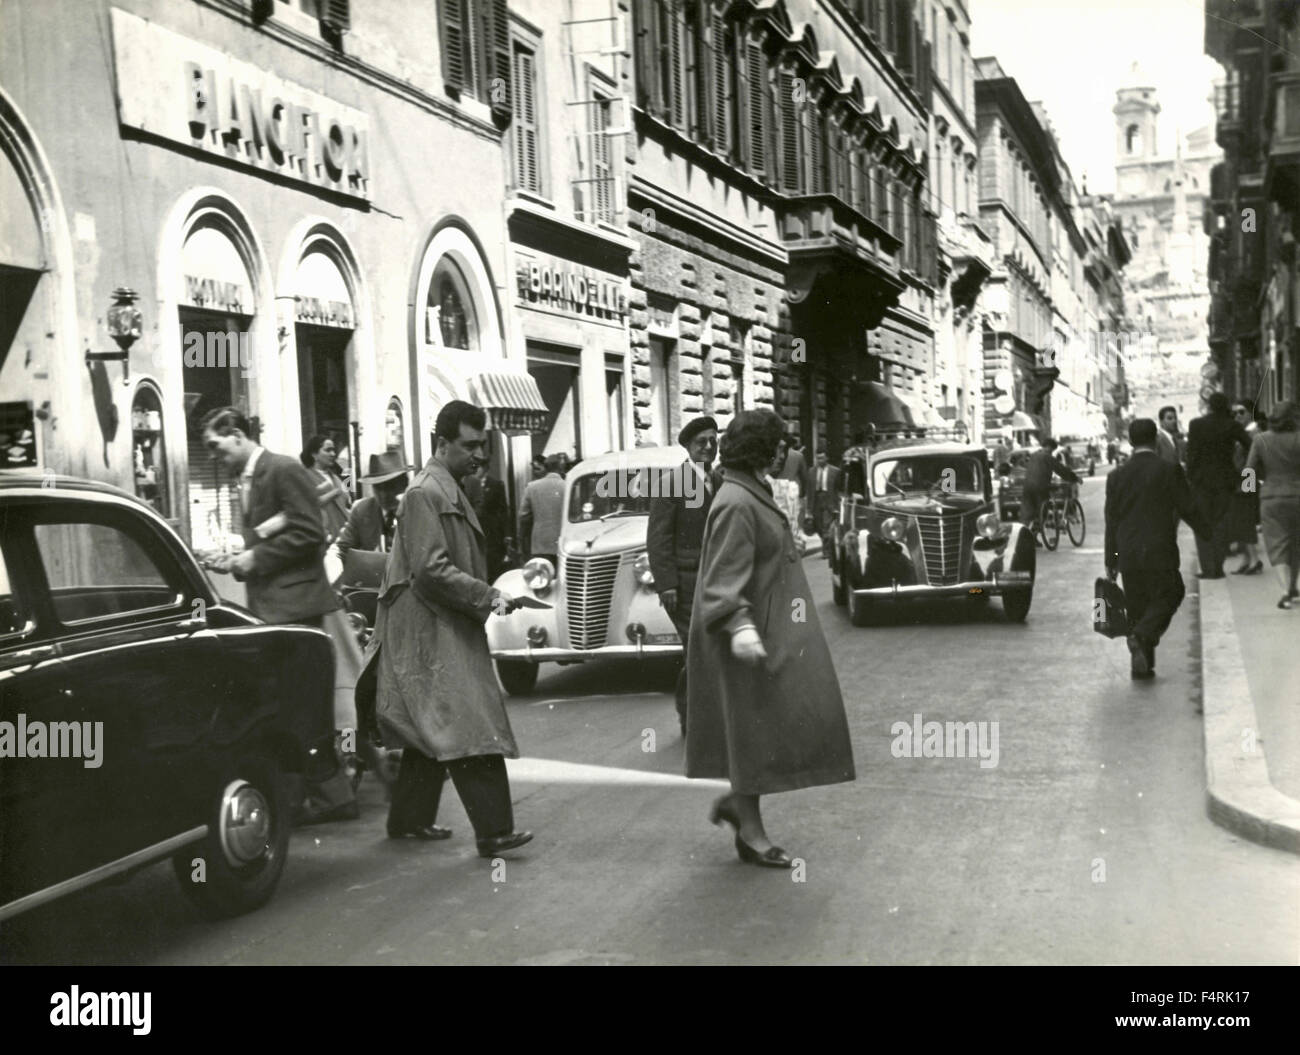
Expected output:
(506, 632)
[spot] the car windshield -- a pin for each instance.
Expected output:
(617, 493)
(927, 474)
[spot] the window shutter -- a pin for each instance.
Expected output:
(500, 87)
(791, 182)
(602, 169)
(722, 86)
(700, 69)
(817, 148)
(643, 16)
(755, 75)
(527, 168)
(337, 13)
(479, 18)
(451, 16)
(676, 64)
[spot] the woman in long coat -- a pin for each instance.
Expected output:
(764, 707)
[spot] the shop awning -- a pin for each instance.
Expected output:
(512, 400)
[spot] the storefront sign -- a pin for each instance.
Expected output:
(320, 312)
(174, 87)
(566, 287)
(215, 295)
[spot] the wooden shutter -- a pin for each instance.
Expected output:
(479, 18)
(816, 147)
(525, 119)
(337, 13)
(602, 169)
(791, 180)
(499, 53)
(676, 65)
(723, 90)
(452, 35)
(644, 13)
(700, 70)
(756, 87)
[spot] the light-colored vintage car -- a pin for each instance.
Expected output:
(921, 520)
(602, 595)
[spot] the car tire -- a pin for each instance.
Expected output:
(518, 676)
(247, 843)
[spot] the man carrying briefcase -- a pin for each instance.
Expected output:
(1144, 499)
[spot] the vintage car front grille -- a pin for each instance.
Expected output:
(943, 541)
(588, 591)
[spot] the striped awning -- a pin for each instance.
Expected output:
(512, 400)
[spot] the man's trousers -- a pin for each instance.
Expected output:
(1152, 598)
(1212, 550)
(481, 782)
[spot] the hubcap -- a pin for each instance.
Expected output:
(245, 823)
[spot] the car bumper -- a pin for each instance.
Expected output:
(548, 654)
(999, 584)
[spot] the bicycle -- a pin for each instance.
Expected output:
(1062, 510)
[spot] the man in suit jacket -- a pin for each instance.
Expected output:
(1042, 465)
(372, 520)
(281, 562)
(676, 530)
(1212, 472)
(541, 513)
(825, 499)
(1144, 499)
(796, 469)
(436, 693)
(487, 495)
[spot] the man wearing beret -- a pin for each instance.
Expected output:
(676, 531)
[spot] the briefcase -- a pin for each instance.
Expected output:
(1109, 608)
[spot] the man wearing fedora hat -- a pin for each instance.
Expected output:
(371, 521)
(675, 531)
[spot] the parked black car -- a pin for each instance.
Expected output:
(203, 719)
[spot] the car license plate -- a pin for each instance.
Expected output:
(1015, 576)
(662, 639)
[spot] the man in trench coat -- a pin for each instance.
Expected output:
(437, 694)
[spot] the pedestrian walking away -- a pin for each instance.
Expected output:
(1275, 460)
(282, 567)
(436, 692)
(1243, 509)
(1145, 497)
(541, 514)
(1214, 478)
(675, 532)
(763, 698)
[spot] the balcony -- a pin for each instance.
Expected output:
(1227, 110)
(1283, 161)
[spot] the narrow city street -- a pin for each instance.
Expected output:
(1087, 842)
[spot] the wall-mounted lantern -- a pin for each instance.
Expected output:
(124, 326)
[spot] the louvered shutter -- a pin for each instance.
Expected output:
(700, 70)
(500, 86)
(451, 16)
(647, 66)
(479, 17)
(676, 63)
(756, 87)
(791, 182)
(602, 169)
(817, 148)
(722, 87)
(337, 13)
(525, 117)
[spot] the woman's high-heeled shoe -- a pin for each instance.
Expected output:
(1249, 569)
(773, 857)
(722, 811)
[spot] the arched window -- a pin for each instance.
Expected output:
(1132, 139)
(451, 305)
(148, 450)
(395, 427)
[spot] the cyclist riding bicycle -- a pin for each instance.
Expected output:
(1039, 470)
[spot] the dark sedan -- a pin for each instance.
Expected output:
(141, 716)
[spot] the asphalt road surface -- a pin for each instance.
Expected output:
(1087, 842)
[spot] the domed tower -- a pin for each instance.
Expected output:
(1135, 110)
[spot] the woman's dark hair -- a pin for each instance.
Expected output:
(750, 440)
(1282, 418)
(308, 455)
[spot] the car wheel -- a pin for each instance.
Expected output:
(839, 594)
(1016, 604)
(518, 676)
(238, 865)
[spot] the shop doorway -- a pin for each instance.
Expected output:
(323, 389)
(215, 371)
(556, 372)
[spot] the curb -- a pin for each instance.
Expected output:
(1238, 793)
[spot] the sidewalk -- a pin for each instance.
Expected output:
(1250, 673)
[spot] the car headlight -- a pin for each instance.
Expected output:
(641, 569)
(538, 575)
(988, 525)
(893, 529)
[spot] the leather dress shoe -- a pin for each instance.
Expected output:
(1140, 662)
(496, 844)
(1209, 575)
(429, 832)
